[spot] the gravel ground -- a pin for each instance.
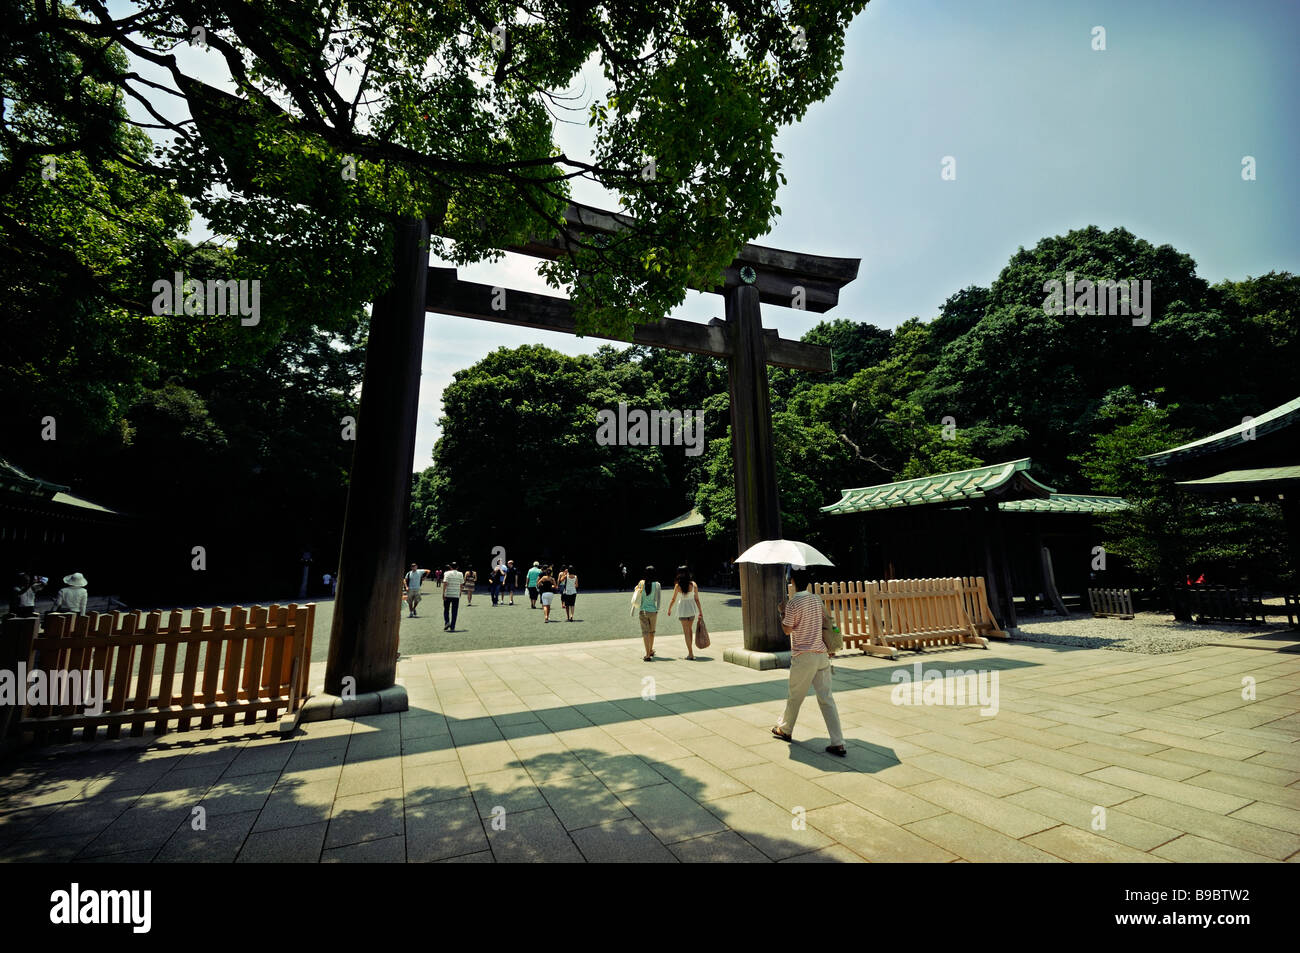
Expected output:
(598, 615)
(1149, 633)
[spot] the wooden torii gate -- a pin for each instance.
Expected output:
(367, 611)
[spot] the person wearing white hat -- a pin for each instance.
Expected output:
(72, 597)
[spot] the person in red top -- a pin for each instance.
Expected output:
(810, 665)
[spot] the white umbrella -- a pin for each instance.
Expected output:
(779, 551)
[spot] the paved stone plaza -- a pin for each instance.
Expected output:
(551, 753)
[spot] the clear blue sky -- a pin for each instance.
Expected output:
(1048, 135)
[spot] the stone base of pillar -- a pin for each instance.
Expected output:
(762, 661)
(323, 707)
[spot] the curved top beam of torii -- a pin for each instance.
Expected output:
(777, 271)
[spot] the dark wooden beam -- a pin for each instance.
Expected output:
(446, 294)
(777, 271)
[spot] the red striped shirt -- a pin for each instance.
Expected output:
(804, 612)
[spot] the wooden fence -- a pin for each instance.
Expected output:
(236, 663)
(1111, 602)
(881, 616)
(1221, 604)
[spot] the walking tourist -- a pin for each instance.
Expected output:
(569, 593)
(72, 597)
(452, 581)
(546, 591)
(22, 597)
(809, 664)
(533, 575)
(494, 583)
(467, 587)
(511, 579)
(686, 599)
(645, 599)
(411, 583)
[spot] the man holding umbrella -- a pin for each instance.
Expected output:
(810, 664)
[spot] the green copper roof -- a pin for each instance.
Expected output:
(1067, 503)
(691, 519)
(999, 481)
(1279, 418)
(1267, 480)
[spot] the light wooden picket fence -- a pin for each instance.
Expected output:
(236, 663)
(1111, 602)
(882, 616)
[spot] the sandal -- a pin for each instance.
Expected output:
(782, 735)
(838, 750)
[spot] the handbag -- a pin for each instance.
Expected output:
(831, 634)
(636, 599)
(701, 634)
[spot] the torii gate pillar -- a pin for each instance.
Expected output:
(367, 605)
(758, 506)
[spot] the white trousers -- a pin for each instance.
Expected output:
(811, 670)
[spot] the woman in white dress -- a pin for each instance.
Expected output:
(686, 599)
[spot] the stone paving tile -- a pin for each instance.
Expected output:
(835, 854)
(1001, 780)
(535, 836)
(1196, 850)
(899, 807)
(1248, 788)
(1054, 779)
(1123, 828)
(362, 817)
(1270, 815)
(443, 829)
(218, 843)
(997, 813)
(295, 803)
(1235, 831)
(698, 778)
(626, 841)
(75, 817)
(428, 783)
(294, 845)
(363, 777)
(1146, 764)
(261, 759)
(974, 842)
(512, 790)
(389, 850)
(784, 787)
(1086, 847)
(46, 850)
(141, 826)
(623, 771)
(1183, 793)
(768, 827)
(235, 795)
(671, 814)
(478, 857)
(726, 847)
(582, 801)
(874, 838)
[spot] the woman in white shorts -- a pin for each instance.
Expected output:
(546, 587)
(686, 598)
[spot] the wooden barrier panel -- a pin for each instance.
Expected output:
(1223, 604)
(1111, 602)
(255, 665)
(881, 616)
